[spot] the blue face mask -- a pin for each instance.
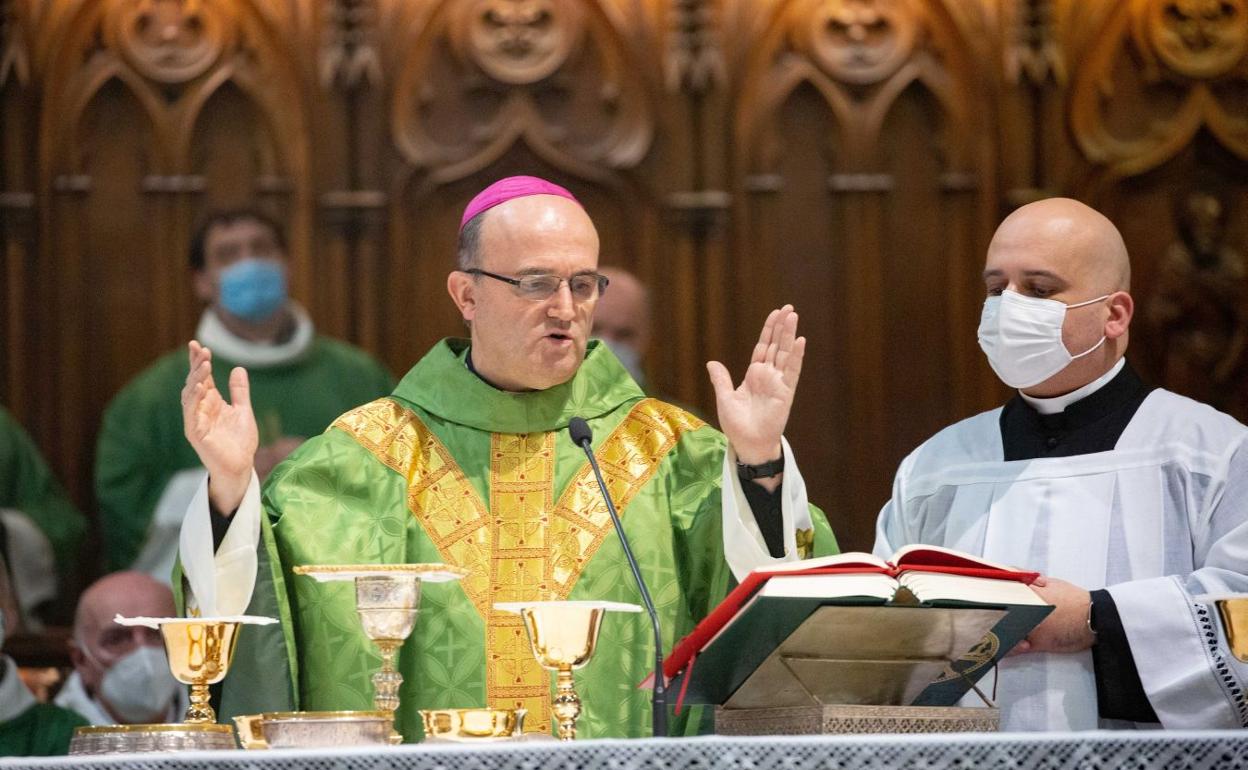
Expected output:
(253, 289)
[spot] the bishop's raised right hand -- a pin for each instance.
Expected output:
(224, 435)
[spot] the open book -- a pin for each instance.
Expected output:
(917, 629)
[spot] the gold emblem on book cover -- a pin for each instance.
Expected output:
(975, 658)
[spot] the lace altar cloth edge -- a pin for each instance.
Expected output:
(1193, 750)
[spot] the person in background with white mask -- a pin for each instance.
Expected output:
(1131, 501)
(27, 728)
(622, 320)
(121, 674)
(145, 471)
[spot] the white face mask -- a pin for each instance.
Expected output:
(1022, 337)
(139, 686)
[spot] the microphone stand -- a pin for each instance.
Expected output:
(659, 698)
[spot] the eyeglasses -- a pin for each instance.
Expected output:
(584, 286)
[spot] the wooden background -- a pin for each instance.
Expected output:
(849, 156)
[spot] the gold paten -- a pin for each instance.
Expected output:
(200, 654)
(472, 724)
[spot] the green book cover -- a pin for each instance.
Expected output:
(745, 643)
(981, 658)
(765, 623)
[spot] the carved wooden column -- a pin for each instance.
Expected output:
(17, 204)
(1034, 78)
(353, 208)
(697, 299)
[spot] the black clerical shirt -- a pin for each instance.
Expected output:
(1091, 424)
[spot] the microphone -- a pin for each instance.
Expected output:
(581, 435)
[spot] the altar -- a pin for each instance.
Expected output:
(1020, 751)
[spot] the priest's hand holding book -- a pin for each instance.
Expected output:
(224, 435)
(1067, 629)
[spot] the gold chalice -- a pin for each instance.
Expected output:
(200, 654)
(387, 600)
(1233, 612)
(563, 636)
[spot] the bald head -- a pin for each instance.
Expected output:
(1062, 251)
(127, 593)
(623, 313)
(1073, 239)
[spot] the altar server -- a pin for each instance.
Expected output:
(1133, 501)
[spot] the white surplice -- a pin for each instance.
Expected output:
(1159, 520)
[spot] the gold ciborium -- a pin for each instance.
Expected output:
(1233, 612)
(563, 636)
(387, 600)
(200, 654)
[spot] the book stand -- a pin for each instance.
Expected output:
(868, 669)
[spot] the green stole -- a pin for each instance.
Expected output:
(449, 469)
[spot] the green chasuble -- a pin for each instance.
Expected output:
(449, 469)
(141, 445)
(43, 730)
(28, 486)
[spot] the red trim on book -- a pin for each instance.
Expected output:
(686, 648)
(684, 686)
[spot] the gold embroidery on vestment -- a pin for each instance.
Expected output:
(525, 547)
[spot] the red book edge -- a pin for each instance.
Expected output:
(686, 649)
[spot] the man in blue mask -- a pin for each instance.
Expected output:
(1132, 501)
(146, 472)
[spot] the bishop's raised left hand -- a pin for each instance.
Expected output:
(753, 415)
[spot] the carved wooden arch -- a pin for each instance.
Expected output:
(70, 86)
(625, 139)
(1140, 29)
(860, 100)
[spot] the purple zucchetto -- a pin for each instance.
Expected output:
(508, 189)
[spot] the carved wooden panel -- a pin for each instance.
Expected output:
(148, 112)
(492, 87)
(1158, 107)
(849, 156)
(863, 184)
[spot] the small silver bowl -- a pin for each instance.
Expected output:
(322, 729)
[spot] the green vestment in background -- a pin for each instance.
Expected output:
(449, 469)
(27, 485)
(141, 444)
(43, 730)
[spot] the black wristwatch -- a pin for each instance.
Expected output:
(760, 471)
